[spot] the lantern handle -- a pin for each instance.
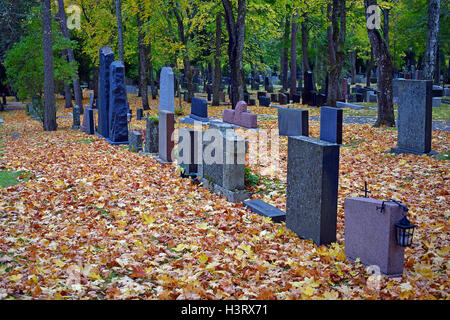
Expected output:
(405, 208)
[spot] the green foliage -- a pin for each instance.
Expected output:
(24, 61)
(154, 119)
(250, 178)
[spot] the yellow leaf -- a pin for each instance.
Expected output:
(180, 247)
(95, 276)
(331, 295)
(148, 219)
(309, 291)
(15, 277)
(203, 226)
(203, 258)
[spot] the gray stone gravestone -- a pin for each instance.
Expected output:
(76, 111)
(118, 108)
(167, 92)
(312, 188)
(152, 136)
(105, 59)
(135, 141)
(188, 148)
(166, 136)
(293, 122)
(266, 210)
(414, 117)
(370, 234)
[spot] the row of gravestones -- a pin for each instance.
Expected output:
(311, 201)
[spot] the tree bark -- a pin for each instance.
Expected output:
(293, 80)
(369, 66)
(120, 30)
(305, 60)
(143, 89)
(49, 121)
(236, 35)
(336, 39)
(70, 56)
(217, 67)
(432, 38)
(385, 74)
(353, 65)
(284, 63)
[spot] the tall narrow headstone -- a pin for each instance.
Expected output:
(312, 188)
(105, 59)
(414, 116)
(76, 111)
(118, 108)
(167, 92)
(331, 124)
(188, 150)
(166, 130)
(89, 114)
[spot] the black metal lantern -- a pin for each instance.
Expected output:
(404, 232)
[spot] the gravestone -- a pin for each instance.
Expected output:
(414, 117)
(188, 148)
(76, 111)
(139, 113)
(151, 136)
(308, 93)
(296, 98)
(293, 122)
(199, 111)
(105, 59)
(89, 114)
(135, 141)
(239, 116)
(83, 127)
(91, 100)
(283, 98)
(166, 138)
(438, 91)
(274, 97)
(312, 188)
(436, 101)
(264, 101)
(331, 124)
(370, 234)
(167, 91)
(372, 97)
(118, 108)
(260, 94)
(266, 210)
(251, 102)
(340, 104)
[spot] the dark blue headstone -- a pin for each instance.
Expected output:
(264, 101)
(139, 113)
(90, 121)
(199, 109)
(118, 110)
(331, 124)
(293, 122)
(105, 60)
(266, 210)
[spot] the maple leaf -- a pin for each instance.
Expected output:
(203, 258)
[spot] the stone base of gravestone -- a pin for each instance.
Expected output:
(436, 102)
(266, 210)
(370, 234)
(312, 189)
(135, 141)
(234, 196)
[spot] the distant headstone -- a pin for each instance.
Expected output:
(188, 148)
(151, 136)
(167, 93)
(266, 210)
(274, 97)
(135, 141)
(76, 111)
(282, 98)
(83, 127)
(239, 116)
(436, 101)
(308, 94)
(118, 108)
(166, 138)
(293, 122)
(89, 114)
(105, 59)
(312, 188)
(370, 234)
(296, 98)
(414, 117)
(264, 101)
(331, 124)
(139, 113)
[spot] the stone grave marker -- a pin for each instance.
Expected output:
(188, 148)
(312, 188)
(266, 210)
(331, 124)
(166, 137)
(167, 91)
(139, 113)
(414, 117)
(264, 101)
(135, 141)
(240, 116)
(106, 58)
(118, 108)
(370, 234)
(293, 122)
(76, 111)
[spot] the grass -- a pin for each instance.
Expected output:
(442, 156)
(11, 178)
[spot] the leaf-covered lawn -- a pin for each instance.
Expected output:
(96, 221)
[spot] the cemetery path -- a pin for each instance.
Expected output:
(95, 221)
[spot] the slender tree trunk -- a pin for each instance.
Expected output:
(386, 26)
(153, 88)
(70, 56)
(432, 39)
(236, 34)
(284, 54)
(293, 80)
(384, 62)
(120, 30)
(305, 60)
(143, 89)
(336, 40)
(353, 65)
(67, 96)
(217, 67)
(49, 121)
(95, 80)
(369, 66)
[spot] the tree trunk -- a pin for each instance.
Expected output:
(384, 62)
(95, 80)
(284, 63)
(236, 34)
(432, 39)
(67, 96)
(336, 40)
(143, 89)
(153, 88)
(353, 65)
(217, 68)
(386, 26)
(305, 60)
(293, 80)
(120, 30)
(49, 121)
(369, 66)
(70, 56)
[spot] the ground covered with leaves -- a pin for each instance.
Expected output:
(87, 220)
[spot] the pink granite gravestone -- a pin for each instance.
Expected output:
(84, 126)
(370, 234)
(240, 116)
